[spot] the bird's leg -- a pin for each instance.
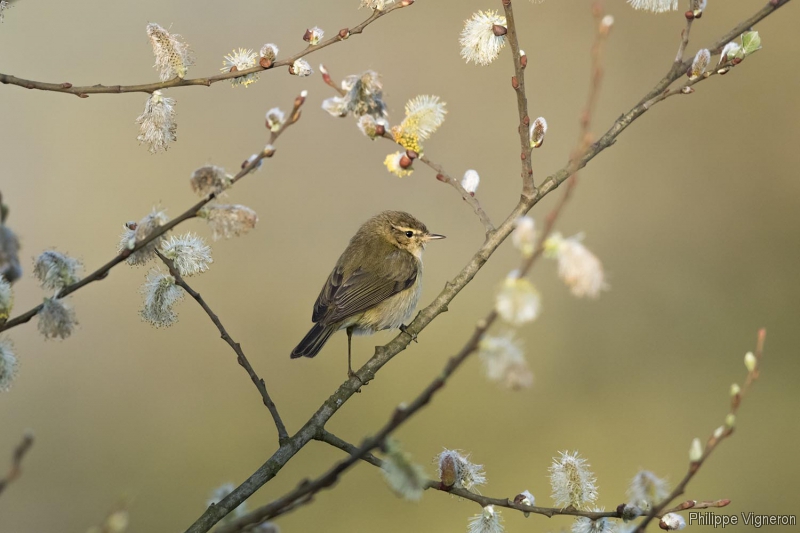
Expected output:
(404, 329)
(350, 372)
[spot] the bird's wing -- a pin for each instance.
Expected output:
(341, 298)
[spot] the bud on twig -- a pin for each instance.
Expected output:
(499, 30)
(605, 25)
(300, 100)
(537, 132)
(405, 161)
(523, 59)
(695, 451)
(750, 361)
(448, 469)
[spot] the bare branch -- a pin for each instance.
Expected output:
(240, 357)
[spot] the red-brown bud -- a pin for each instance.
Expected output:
(441, 178)
(412, 154)
(448, 465)
(265, 63)
(523, 60)
(66, 85)
(514, 82)
(737, 60)
(380, 130)
(499, 30)
(344, 33)
(307, 36)
(234, 69)
(689, 15)
(405, 161)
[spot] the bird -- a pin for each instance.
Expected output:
(375, 284)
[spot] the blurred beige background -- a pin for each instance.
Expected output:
(694, 212)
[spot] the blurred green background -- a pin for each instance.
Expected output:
(694, 213)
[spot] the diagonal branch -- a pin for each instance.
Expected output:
(85, 91)
(102, 272)
(722, 433)
(383, 354)
(240, 357)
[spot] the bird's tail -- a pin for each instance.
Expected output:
(313, 342)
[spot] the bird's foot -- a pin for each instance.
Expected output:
(351, 374)
(404, 329)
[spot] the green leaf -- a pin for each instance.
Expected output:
(751, 42)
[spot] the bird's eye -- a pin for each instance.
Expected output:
(409, 234)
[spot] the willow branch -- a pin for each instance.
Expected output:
(679, 69)
(102, 272)
(480, 499)
(721, 434)
(240, 357)
(518, 83)
(85, 91)
(16, 461)
(383, 354)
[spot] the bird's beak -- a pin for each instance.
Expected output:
(433, 237)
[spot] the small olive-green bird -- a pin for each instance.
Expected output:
(375, 284)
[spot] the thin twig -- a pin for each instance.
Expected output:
(102, 272)
(283, 436)
(518, 83)
(16, 461)
(85, 91)
(684, 40)
(329, 438)
(443, 176)
(719, 435)
(383, 354)
(432, 484)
